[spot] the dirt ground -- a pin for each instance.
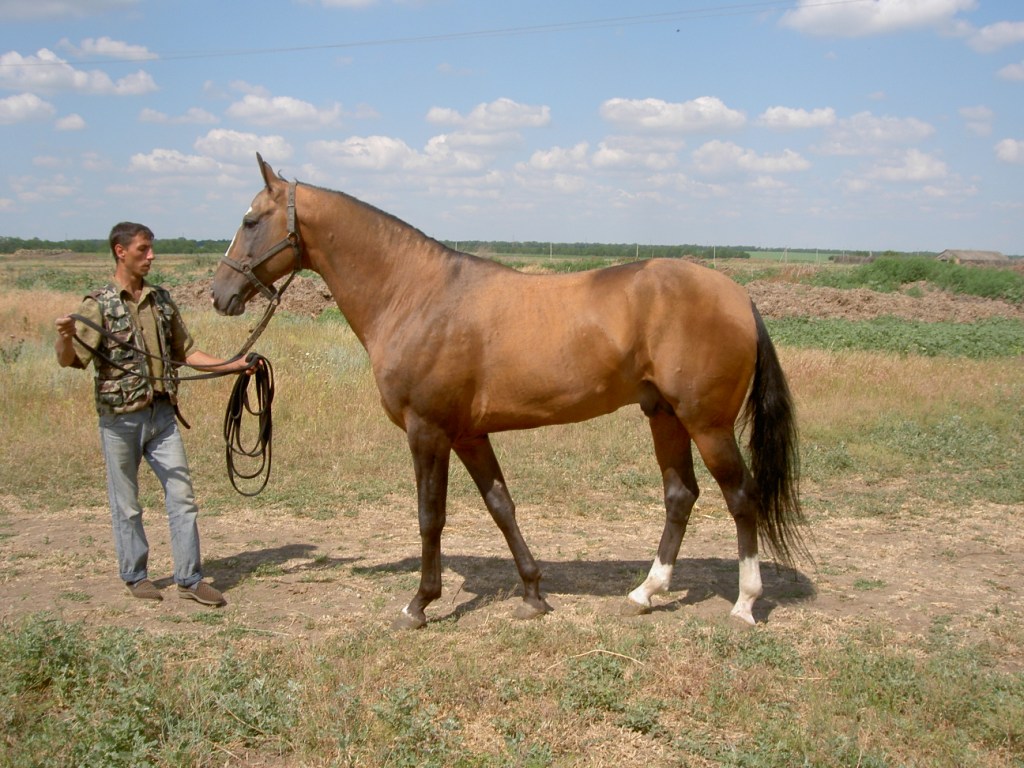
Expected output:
(306, 578)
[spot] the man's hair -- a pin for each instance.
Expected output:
(123, 233)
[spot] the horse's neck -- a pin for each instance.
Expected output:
(372, 262)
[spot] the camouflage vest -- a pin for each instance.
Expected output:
(118, 391)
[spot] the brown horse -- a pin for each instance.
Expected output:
(461, 347)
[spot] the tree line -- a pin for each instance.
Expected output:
(594, 250)
(166, 245)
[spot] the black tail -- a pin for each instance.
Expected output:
(775, 453)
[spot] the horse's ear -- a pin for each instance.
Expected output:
(265, 169)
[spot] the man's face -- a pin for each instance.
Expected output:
(137, 256)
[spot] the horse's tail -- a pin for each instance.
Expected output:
(774, 453)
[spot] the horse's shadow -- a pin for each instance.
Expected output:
(489, 579)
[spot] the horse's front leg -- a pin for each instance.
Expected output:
(478, 457)
(431, 451)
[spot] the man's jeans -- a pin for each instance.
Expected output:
(151, 434)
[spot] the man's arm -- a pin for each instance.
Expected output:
(65, 344)
(203, 362)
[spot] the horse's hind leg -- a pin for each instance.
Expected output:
(478, 457)
(723, 459)
(675, 457)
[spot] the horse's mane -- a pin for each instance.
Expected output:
(402, 225)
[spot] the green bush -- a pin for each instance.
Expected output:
(890, 274)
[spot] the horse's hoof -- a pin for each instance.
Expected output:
(407, 621)
(631, 608)
(743, 615)
(525, 611)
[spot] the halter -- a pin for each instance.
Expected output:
(291, 240)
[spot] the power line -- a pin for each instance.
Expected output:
(708, 12)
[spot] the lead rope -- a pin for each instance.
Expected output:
(262, 447)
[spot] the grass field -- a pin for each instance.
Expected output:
(902, 645)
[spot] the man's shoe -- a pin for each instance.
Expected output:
(202, 593)
(144, 589)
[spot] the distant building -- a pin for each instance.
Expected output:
(973, 257)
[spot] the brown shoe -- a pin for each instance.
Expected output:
(144, 589)
(202, 593)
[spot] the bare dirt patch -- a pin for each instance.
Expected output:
(304, 578)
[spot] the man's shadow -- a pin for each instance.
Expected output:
(495, 578)
(226, 573)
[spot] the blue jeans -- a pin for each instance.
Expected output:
(151, 434)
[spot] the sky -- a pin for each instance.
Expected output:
(832, 124)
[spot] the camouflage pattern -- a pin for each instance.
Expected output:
(118, 391)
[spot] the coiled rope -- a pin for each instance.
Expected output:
(240, 402)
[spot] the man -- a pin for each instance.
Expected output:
(136, 398)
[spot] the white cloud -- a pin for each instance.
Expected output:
(32, 189)
(192, 116)
(499, 115)
(261, 109)
(913, 165)
(631, 154)
(71, 122)
(872, 18)
(724, 157)
(172, 161)
(995, 36)
(47, 72)
(786, 117)
(479, 142)
(560, 158)
(24, 107)
(237, 147)
(1013, 72)
(441, 154)
(705, 113)
(979, 119)
(107, 48)
(864, 134)
(1010, 151)
(59, 10)
(376, 153)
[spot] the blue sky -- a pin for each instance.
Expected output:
(834, 124)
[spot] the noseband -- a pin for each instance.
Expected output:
(273, 296)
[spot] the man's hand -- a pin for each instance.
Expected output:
(65, 327)
(64, 346)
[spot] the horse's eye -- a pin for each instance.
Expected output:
(249, 222)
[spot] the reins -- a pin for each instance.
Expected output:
(239, 401)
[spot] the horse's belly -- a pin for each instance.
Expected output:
(556, 397)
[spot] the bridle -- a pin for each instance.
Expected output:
(273, 296)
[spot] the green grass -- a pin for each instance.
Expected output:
(984, 339)
(123, 698)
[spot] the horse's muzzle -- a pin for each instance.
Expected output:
(234, 305)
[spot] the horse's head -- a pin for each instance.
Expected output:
(265, 247)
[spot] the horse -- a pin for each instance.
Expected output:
(461, 347)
